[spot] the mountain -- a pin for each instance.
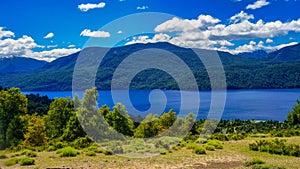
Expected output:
(20, 64)
(258, 54)
(286, 54)
(241, 72)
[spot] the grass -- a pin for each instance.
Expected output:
(233, 155)
(67, 152)
(26, 161)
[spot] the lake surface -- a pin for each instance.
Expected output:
(269, 104)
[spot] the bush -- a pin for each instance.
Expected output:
(12, 161)
(216, 143)
(209, 147)
(51, 148)
(29, 153)
(90, 153)
(107, 152)
(266, 166)
(67, 152)
(82, 142)
(199, 150)
(190, 145)
(26, 161)
(3, 156)
(254, 161)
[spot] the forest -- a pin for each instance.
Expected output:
(34, 123)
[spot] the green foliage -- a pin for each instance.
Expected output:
(36, 132)
(276, 146)
(149, 127)
(3, 156)
(58, 115)
(26, 161)
(73, 129)
(13, 104)
(209, 147)
(254, 161)
(199, 150)
(29, 153)
(67, 152)
(10, 162)
(38, 104)
(216, 143)
(120, 120)
(294, 116)
(107, 152)
(82, 142)
(90, 153)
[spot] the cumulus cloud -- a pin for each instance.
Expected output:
(120, 32)
(86, 7)
(146, 39)
(142, 7)
(176, 24)
(95, 34)
(49, 35)
(269, 41)
(50, 55)
(258, 4)
(240, 17)
(6, 34)
(24, 46)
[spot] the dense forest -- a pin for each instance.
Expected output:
(279, 69)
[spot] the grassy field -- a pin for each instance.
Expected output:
(234, 154)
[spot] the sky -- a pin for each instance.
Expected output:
(49, 29)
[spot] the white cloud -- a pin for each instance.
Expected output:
(6, 34)
(71, 46)
(258, 4)
(146, 39)
(51, 55)
(52, 46)
(240, 17)
(176, 24)
(142, 7)
(269, 41)
(96, 34)
(120, 32)
(86, 7)
(49, 35)
(24, 46)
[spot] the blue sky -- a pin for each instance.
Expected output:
(49, 29)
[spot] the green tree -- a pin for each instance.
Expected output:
(120, 120)
(36, 132)
(13, 104)
(149, 127)
(58, 116)
(167, 119)
(73, 129)
(294, 116)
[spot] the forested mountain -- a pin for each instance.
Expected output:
(279, 69)
(19, 64)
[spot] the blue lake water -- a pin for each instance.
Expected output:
(265, 104)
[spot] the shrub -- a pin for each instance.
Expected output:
(216, 143)
(67, 152)
(26, 161)
(107, 152)
(3, 156)
(199, 150)
(209, 147)
(82, 142)
(90, 153)
(29, 153)
(12, 161)
(190, 145)
(51, 148)
(266, 166)
(254, 161)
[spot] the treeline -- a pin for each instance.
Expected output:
(37, 121)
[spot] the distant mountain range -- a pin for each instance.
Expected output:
(278, 69)
(20, 64)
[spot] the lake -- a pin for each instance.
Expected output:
(264, 104)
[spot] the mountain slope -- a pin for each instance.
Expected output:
(286, 54)
(20, 64)
(241, 72)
